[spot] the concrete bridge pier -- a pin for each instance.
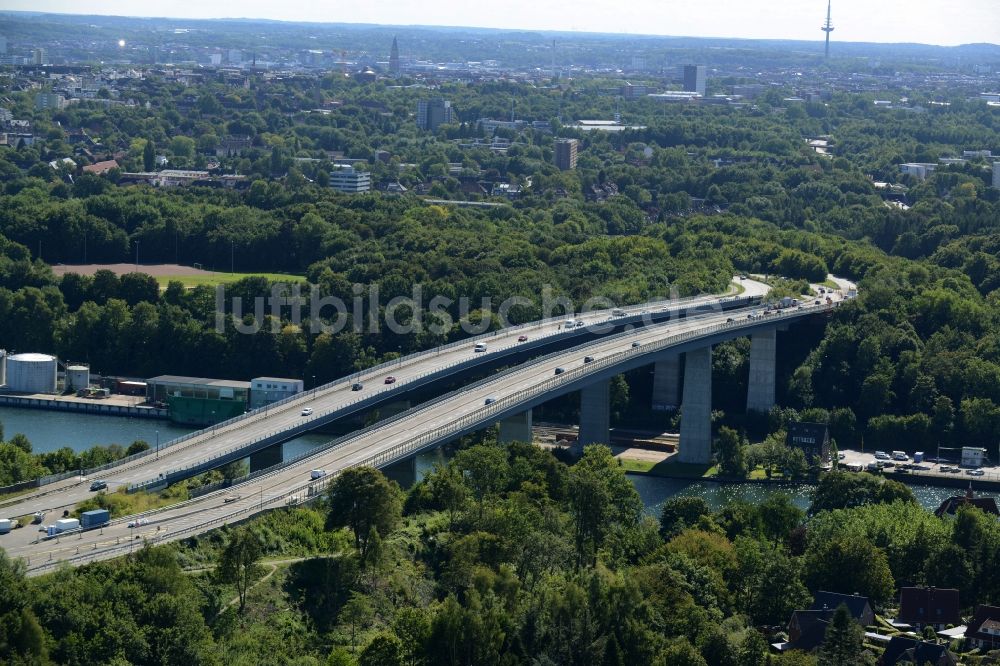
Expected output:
(760, 391)
(696, 408)
(516, 428)
(666, 383)
(269, 457)
(595, 416)
(403, 472)
(393, 408)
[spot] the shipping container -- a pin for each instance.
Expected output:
(95, 518)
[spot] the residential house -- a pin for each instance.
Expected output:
(906, 650)
(101, 168)
(812, 438)
(807, 629)
(950, 506)
(859, 607)
(937, 607)
(984, 630)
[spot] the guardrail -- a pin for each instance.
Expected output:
(313, 488)
(243, 449)
(312, 393)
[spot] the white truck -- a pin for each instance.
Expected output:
(6, 525)
(63, 525)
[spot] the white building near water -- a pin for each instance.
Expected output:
(266, 390)
(32, 373)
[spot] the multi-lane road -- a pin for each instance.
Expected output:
(473, 407)
(285, 420)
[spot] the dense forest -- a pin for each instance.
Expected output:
(509, 555)
(504, 555)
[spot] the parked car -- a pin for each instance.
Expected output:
(307, 411)
(356, 386)
(522, 338)
(975, 472)
(900, 455)
(98, 485)
(881, 455)
(945, 468)
(390, 380)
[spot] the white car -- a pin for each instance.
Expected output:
(138, 522)
(881, 455)
(307, 411)
(975, 472)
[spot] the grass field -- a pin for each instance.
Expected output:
(668, 468)
(212, 279)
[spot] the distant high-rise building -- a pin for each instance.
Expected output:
(432, 113)
(49, 101)
(39, 57)
(394, 58)
(566, 153)
(3, 45)
(996, 175)
(694, 79)
(348, 180)
(827, 28)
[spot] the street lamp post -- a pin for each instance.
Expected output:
(157, 444)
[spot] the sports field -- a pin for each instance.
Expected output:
(164, 273)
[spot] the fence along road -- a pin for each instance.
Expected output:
(280, 421)
(420, 428)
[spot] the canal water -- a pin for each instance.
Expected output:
(50, 430)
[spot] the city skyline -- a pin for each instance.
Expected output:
(892, 21)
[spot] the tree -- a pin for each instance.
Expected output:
(22, 640)
(844, 490)
(448, 490)
(357, 611)
(754, 650)
(843, 644)
(362, 499)
(681, 512)
(601, 498)
(732, 461)
(485, 470)
(239, 562)
(384, 650)
(148, 156)
(848, 564)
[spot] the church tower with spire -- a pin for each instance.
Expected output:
(394, 58)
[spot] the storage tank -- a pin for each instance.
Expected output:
(3, 367)
(32, 373)
(77, 377)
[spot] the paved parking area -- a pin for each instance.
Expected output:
(924, 468)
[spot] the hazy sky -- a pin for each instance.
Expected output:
(928, 21)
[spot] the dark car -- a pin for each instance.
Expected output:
(357, 387)
(635, 344)
(99, 485)
(390, 380)
(522, 338)
(559, 371)
(588, 359)
(490, 401)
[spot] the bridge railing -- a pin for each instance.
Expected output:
(634, 310)
(372, 398)
(496, 406)
(313, 488)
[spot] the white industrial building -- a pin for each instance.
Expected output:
(32, 373)
(919, 170)
(267, 390)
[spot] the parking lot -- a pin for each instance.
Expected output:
(929, 466)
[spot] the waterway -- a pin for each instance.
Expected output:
(49, 431)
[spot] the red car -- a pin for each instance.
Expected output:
(390, 380)
(523, 338)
